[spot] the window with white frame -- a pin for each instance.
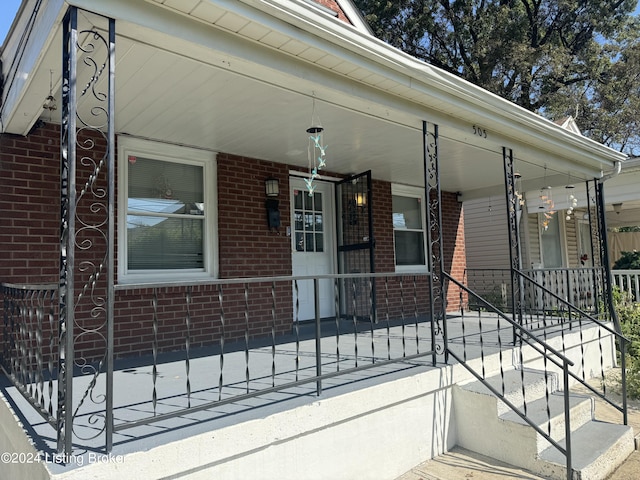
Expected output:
(551, 250)
(166, 212)
(408, 228)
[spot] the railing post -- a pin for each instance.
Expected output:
(513, 235)
(570, 299)
(623, 367)
(316, 301)
(567, 418)
(87, 194)
(68, 200)
(111, 255)
(434, 253)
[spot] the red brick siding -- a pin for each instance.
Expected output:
(246, 246)
(455, 258)
(30, 206)
(29, 248)
(333, 5)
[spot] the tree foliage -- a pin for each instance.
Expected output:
(556, 57)
(628, 261)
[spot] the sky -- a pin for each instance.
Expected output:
(8, 9)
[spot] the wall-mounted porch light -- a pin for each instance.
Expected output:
(617, 207)
(361, 200)
(271, 187)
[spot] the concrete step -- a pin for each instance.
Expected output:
(597, 449)
(489, 427)
(544, 413)
(536, 385)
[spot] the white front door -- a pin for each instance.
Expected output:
(312, 246)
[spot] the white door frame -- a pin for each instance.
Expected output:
(311, 263)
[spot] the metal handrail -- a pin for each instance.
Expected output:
(622, 339)
(509, 320)
(573, 307)
(566, 363)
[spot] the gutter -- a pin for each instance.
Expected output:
(613, 173)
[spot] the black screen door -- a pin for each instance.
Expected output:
(356, 245)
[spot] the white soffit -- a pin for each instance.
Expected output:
(332, 44)
(360, 72)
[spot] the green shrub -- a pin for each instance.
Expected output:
(628, 261)
(629, 315)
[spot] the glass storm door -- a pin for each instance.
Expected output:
(356, 245)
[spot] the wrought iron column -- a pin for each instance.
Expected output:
(111, 214)
(514, 235)
(434, 254)
(604, 254)
(67, 231)
(594, 231)
(87, 229)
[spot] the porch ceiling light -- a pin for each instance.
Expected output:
(271, 187)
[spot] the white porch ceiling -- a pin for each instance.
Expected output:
(193, 73)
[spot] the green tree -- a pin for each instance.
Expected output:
(606, 105)
(557, 57)
(627, 261)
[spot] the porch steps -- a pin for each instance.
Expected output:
(488, 426)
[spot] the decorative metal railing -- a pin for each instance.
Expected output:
(490, 330)
(576, 286)
(627, 281)
(30, 349)
(487, 328)
(248, 334)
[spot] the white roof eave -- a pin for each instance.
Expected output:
(421, 84)
(433, 81)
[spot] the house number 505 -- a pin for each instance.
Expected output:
(479, 131)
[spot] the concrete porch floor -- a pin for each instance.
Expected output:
(372, 390)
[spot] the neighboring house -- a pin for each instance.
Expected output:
(556, 230)
(199, 173)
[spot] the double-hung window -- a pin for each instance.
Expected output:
(166, 212)
(409, 228)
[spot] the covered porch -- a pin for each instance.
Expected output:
(230, 90)
(299, 402)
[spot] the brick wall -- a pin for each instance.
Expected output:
(246, 246)
(29, 249)
(452, 241)
(455, 257)
(333, 5)
(30, 206)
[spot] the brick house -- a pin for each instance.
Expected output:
(140, 148)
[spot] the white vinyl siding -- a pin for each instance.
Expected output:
(486, 233)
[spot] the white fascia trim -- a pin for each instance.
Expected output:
(299, 20)
(296, 19)
(49, 18)
(432, 80)
(354, 16)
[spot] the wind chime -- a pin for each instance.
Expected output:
(316, 150)
(518, 189)
(50, 102)
(546, 202)
(571, 198)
